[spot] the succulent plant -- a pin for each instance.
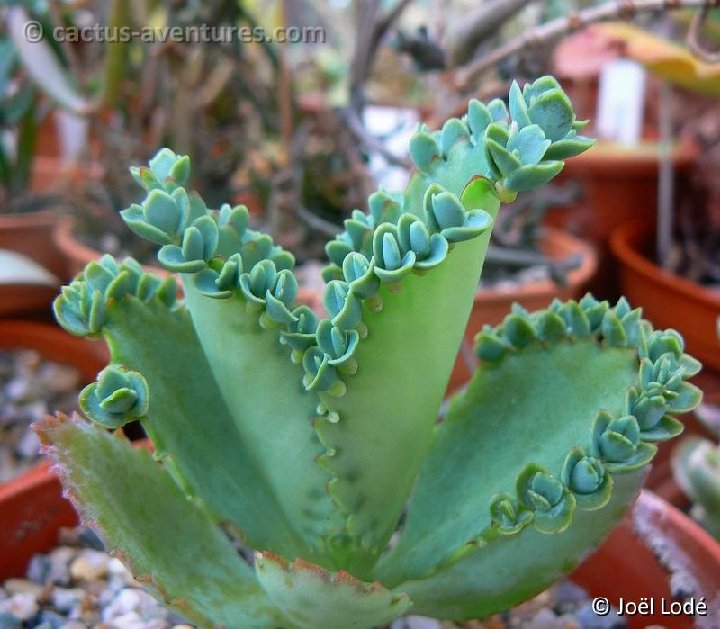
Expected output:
(696, 468)
(314, 444)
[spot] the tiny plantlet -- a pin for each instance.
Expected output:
(315, 442)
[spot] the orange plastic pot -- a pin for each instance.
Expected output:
(668, 300)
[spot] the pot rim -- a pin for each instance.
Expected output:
(546, 288)
(623, 244)
(53, 344)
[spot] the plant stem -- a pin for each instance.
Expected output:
(482, 23)
(665, 181)
(115, 55)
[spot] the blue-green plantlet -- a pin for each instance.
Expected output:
(315, 442)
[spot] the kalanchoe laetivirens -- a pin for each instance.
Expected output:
(306, 438)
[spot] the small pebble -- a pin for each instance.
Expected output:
(546, 619)
(30, 388)
(29, 445)
(590, 620)
(39, 569)
(67, 599)
(23, 605)
(8, 621)
(22, 586)
(51, 620)
(90, 565)
(60, 558)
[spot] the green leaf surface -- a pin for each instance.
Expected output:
(532, 407)
(181, 554)
(272, 412)
(514, 568)
(389, 409)
(463, 162)
(189, 421)
(316, 599)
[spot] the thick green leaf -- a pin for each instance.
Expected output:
(181, 554)
(463, 162)
(514, 568)
(386, 417)
(188, 421)
(537, 397)
(271, 411)
(316, 599)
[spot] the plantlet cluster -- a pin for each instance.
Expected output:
(315, 441)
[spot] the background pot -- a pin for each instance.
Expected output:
(493, 304)
(32, 510)
(655, 546)
(77, 254)
(55, 345)
(668, 300)
(33, 235)
(617, 185)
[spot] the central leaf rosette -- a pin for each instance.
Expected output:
(306, 438)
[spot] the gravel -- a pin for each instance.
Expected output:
(78, 586)
(30, 388)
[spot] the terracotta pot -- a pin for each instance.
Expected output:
(77, 254)
(492, 305)
(31, 234)
(617, 185)
(668, 300)
(53, 174)
(32, 510)
(56, 345)
(655, 546)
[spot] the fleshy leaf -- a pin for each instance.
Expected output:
(314, 598)
(118, 488)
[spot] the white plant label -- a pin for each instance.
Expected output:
(620, 102)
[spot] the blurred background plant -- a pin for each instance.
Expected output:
(696, 468)
(40, 107)
(289, 129)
